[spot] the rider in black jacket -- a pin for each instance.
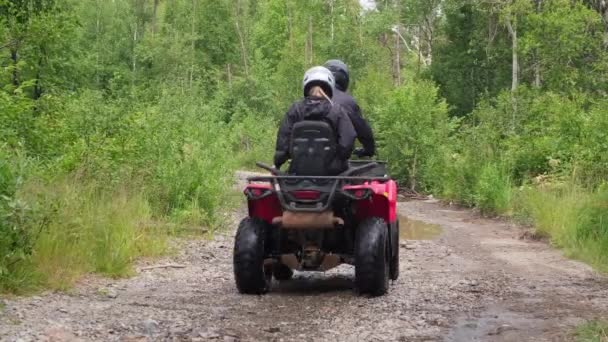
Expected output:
(317, 104)
(341, 97)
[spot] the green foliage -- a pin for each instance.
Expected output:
(15, 240)
(566, 37)
(470, 62)
(532, 134)
(493, 190)
(459, 180)
(79, 229)
(592, 149)
(591, 230)
(414, 125)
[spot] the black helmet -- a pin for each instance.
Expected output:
(319, 76)
(340, 71)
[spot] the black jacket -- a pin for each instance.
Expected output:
(364, 131)
(311, 108)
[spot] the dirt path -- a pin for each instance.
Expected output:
(475, 282)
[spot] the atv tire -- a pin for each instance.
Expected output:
(248, 258)
(394, 264)
(282, 272)
(372, 257)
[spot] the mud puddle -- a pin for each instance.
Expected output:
(498, 323)
(417, 230)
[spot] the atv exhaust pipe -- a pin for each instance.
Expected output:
(305, 220)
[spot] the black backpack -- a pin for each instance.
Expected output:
(313, 148)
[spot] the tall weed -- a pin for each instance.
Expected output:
(414, 126)
(575, 219)
(492, 192)
(79, 228)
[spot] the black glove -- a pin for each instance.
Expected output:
(361, 152)
(280, 157)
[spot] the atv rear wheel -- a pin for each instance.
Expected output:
(282, 272)
(394, 264)
(248, 258)
(371, 257)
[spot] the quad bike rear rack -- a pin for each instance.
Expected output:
(328, 189)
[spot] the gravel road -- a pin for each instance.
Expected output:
(474, 281)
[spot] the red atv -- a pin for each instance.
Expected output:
(315, 223)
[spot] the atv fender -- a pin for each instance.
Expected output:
(381, 203)
(262, 202)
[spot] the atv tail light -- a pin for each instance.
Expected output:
(359, 194)
(257, 193)
(306, 194)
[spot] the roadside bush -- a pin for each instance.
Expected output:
(459, 179)
(492, 193)
(253, 139)
(122, 167)
(15, 239)
(512, 140)
(413, 126)
(592, 149)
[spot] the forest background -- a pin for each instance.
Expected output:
(122, 121)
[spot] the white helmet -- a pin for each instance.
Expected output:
(319, 76)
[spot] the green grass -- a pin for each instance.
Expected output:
(554, 212)
(76, 226)
(593, 331)
(79, 229)
(574, 218)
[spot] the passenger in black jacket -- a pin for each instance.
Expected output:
(341, 97)
(318, 87)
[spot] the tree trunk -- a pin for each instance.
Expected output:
(241, 38)
(37, 85)
(537, 78)
(289, 26)
(97, 44)
(601, 6)
(419, 63)
(512, 27)
(192, 43)
(15, 59)
(419, 49)
(398, 59)
(229, 71)
(331, 5)
(429, 35)
(308, 55)
(413, 171)
(310, 30)
(154, 13)
(360, 22)
(134, 57)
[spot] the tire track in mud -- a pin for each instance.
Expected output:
(476, 281)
